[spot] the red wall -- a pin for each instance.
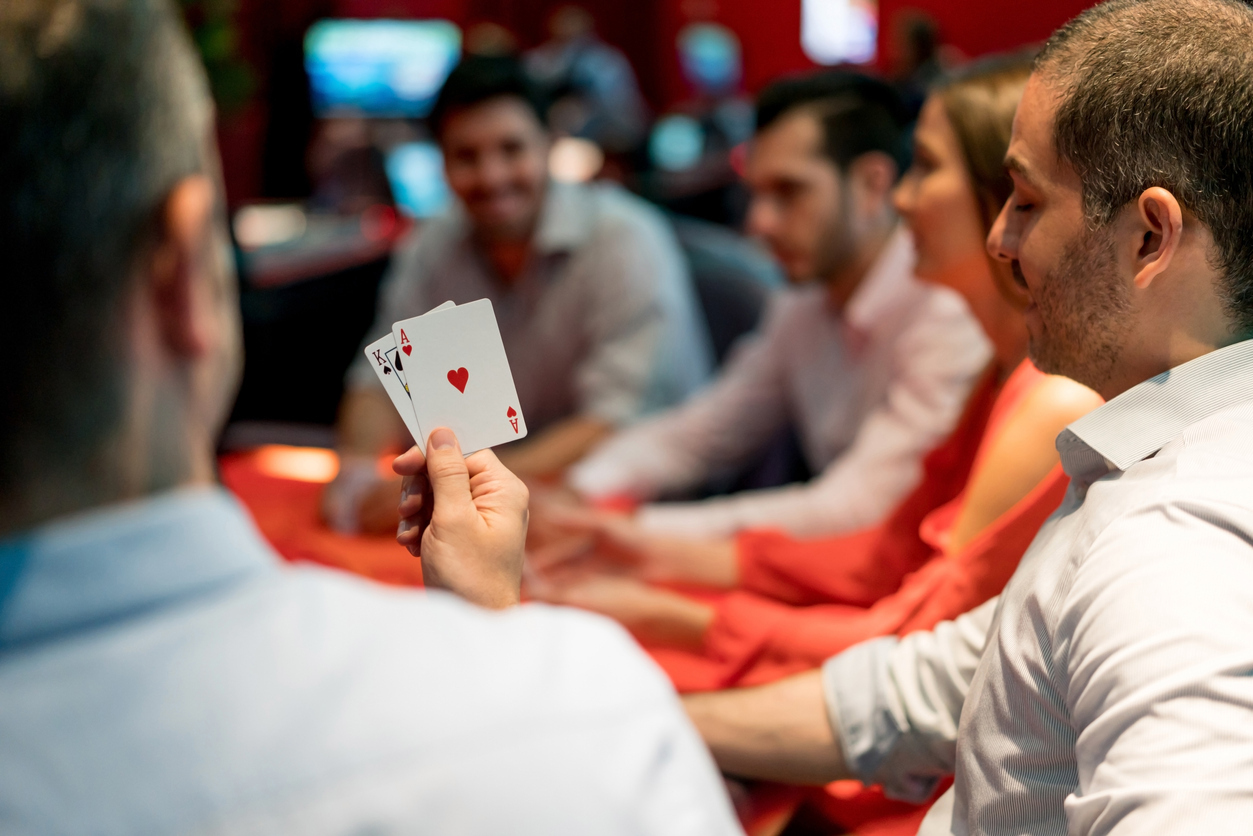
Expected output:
(770, 31)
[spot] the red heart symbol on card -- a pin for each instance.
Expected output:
(512, 412)
(407, 349)
(459, 378)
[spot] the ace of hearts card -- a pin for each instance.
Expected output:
(459, 376)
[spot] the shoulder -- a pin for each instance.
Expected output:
(1050, 403)
(616, 212)
(552, 653)
(1026, 440)
(793, 305)
(433, 240)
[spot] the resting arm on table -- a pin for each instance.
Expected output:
(934, 369)
(721, 426)
(549, 452)
(883, 712)
(359, 497)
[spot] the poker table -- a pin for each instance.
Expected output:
(282, 486)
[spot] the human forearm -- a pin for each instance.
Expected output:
(778, 732)
(556, 448)
(710, 563)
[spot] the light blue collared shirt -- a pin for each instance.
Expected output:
(161, 671)
(1109, 689)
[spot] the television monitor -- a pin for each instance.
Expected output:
(380, 68)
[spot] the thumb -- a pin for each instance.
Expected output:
(446, 468)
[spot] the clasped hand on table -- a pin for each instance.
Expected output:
(467, 518)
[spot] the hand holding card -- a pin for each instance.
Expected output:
(469, 532)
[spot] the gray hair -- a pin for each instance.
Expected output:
(103, 109)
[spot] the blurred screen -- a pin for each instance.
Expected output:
(839, 31)
(416, 173)
(387, 68)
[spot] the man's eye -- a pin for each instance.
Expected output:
(1023, 207)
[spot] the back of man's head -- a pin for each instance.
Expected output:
(1160, 93)
(858, 114)
(103, 108)
(482, 78)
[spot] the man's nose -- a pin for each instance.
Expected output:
(493, 171)
(761, 218)
(1002, 241)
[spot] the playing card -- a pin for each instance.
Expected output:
(460, 378)
(397, 357)
(378, 352)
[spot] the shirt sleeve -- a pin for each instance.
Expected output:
(895, 703)
(719, 428)
(646, 348)
(400, 296)
(935, 367)
(1160, 670)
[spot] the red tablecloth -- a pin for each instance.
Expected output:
(286, 511)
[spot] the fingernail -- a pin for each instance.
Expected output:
(404, 494)
(443, 439)
(403, 527)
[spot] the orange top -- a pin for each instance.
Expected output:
(802, 601)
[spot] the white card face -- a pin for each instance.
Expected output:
(379, 353)
(398, 363)
(460, 377)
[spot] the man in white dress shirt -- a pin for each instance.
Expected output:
(868, 365)
(1109, 690)
(161, 669)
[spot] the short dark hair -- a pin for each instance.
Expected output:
(1160, 93)
(103, 108)
(480, 78)
(858, 114)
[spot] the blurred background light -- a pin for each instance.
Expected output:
(677, 143)
(389, 68)
(265, 225)
(839, 31)
(303, 464)
(574, 160)
(709, 55)
(415, 171)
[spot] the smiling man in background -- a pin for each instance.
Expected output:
(595, 306)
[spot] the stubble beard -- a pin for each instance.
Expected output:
(1084, 313)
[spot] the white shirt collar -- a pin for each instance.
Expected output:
(1140, 421)
(111, 562)
(880, 290)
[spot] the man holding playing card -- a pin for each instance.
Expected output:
(868, 365)
(588, 286)
(162, 670)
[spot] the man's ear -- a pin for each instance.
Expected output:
(875, 174)
(1158, 224)
(179, 269)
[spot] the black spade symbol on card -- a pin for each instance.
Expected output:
(399, 367)
(386, 370)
